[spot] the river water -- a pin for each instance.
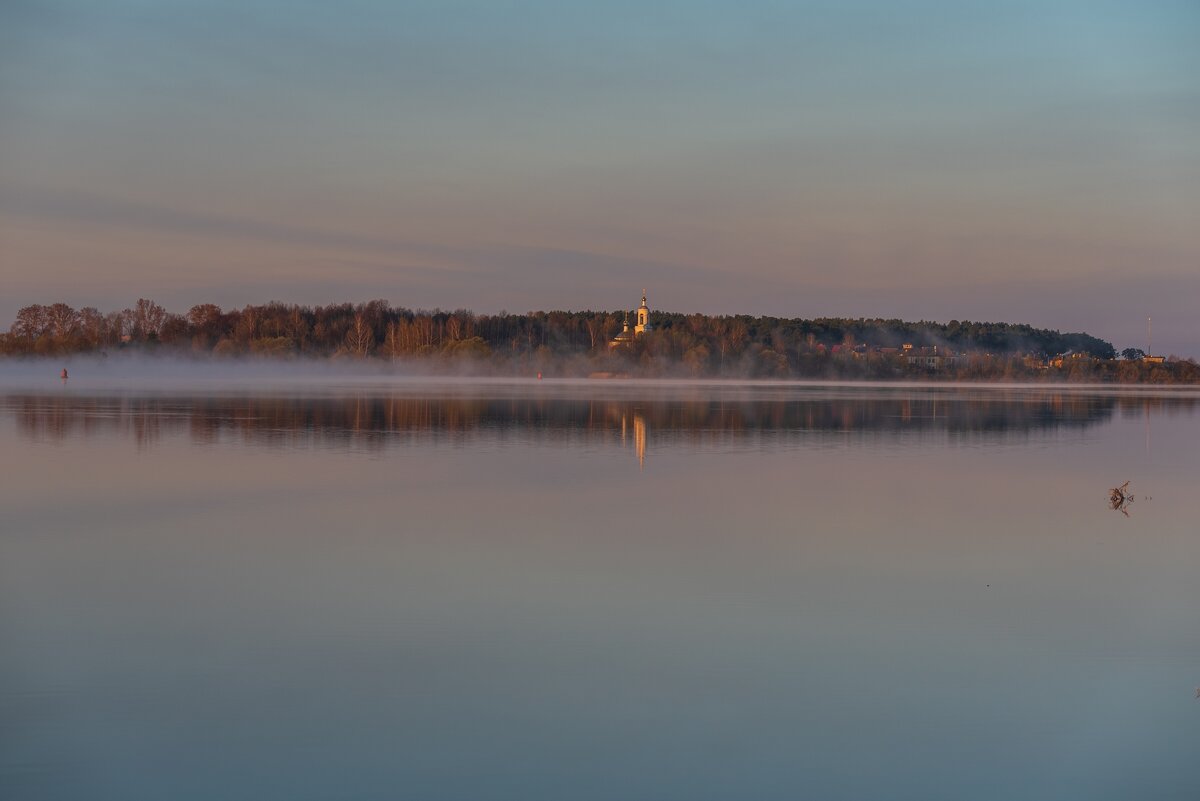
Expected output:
(598, 590)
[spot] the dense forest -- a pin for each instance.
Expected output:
(578, 343)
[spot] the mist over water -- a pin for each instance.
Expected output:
(352, 585)
(133, 372)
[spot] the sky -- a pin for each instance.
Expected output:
(1013, 161)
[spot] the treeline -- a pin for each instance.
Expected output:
(573, 343)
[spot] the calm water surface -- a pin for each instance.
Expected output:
(598, 591)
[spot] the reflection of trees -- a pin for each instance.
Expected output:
(51, 419)
(1134, 406)
(375, 421)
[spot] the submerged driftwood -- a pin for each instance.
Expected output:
(1119, 498)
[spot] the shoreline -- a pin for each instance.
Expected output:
(125, 382)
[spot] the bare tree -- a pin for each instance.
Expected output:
(62, 320)
(91, 325)
(204, 314)
(454, 328)
(595, 329)
(738, 333)
(423, 328)
(247, 328)
(31, 322)
(148, 318)
(118, 325)
(393, 343)
(360, 339)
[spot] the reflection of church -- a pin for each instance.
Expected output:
(639, 435)
(643, 325)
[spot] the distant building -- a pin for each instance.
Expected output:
(1154, 359)
(931, 358)
(1034, 362)
(627, 336)
(1071, 357)
(643, 317)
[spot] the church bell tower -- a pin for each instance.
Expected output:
(643, 316)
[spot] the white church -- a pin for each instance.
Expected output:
(643, 325)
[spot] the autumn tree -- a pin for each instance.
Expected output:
(360, 339)
(62, 320)
(92, 327)
(148, 319)
(204, 315)
(31, 322)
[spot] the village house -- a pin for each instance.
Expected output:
(1071, 357)
(931, 358)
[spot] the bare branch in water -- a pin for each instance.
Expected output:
(1119, 498)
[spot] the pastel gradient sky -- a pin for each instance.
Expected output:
(1021, 161)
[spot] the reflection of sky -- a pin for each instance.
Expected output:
(201, 620)
(860, 158)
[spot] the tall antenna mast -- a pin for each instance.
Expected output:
(1149, 338)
